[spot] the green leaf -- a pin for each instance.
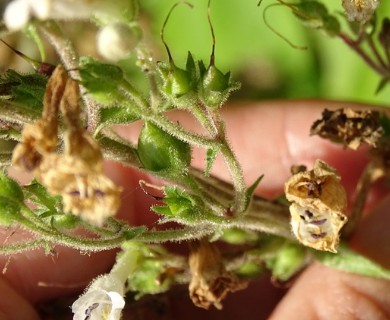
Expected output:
(102, 80)
(9, 211)
(249, 192)
(350, 261)
(211, 155)
(149, 274)
(24, 89)
(115, 115)
(178, 204)
(315, 15)
(183, 207)
(159, 151)
(10, 189)
(39, 195)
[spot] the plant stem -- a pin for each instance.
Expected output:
(371, 173)
(356, 47)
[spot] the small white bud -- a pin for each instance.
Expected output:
(116, 41)
(17, 14)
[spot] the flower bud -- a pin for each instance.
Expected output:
(158, 150)
(214, 87)
(116, 41)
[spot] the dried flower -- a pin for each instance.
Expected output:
(76, 174)
(103, 300)
(360, 10)
(349, 127)
(318, 205)
(210, 282)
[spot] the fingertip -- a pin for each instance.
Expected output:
(13, 306)
(324, 293)
(372, 237)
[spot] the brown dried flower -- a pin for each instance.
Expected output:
(76, 174)
(41, 137)
(210, 282)
(360, 10)
(318, 205)
(349, 127)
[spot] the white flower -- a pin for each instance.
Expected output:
(360, 10)
(103, 300)
(115, 41)
(18, 12)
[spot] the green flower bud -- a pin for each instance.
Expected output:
(179, 84)
(331, 26)
(10, 188)
(158, 150)
(65, 221)
(215, 87)
(289, 260)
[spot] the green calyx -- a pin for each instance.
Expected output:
(315, 15)
(214, 86)
(179, 85)
(158, 150)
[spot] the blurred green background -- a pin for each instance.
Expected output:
(266, 65)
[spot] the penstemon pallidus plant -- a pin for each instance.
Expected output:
(65, 150)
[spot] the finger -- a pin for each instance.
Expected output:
(13, 305)
(323, 293)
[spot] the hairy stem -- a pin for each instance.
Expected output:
(371, 173)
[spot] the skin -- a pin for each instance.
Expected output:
(267, 138)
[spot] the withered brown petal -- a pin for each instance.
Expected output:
(317, 217)
(349, 127)
(210, 282)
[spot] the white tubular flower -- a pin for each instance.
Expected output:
(103, 300)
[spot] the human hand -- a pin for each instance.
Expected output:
(268, 138)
